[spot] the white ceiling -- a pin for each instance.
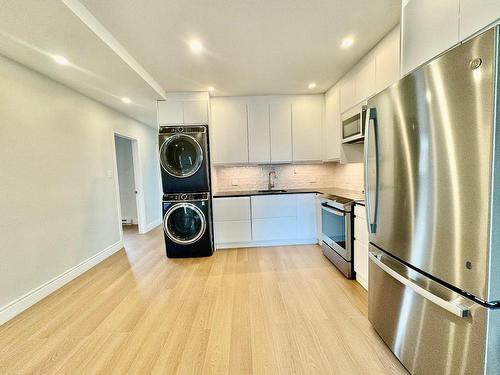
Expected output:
(251, 46)
(33, 30)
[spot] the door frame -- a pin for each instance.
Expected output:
(139, 187)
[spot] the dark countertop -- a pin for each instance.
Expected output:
(344, 193)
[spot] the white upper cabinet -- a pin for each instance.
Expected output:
(267, 129)
(173, 112)
(376, 71)
(259, 147)
(347, 92)
(429, 28)
(229, 131)
(307, 114)
(365, 79)
(280, 118)
(195, 112)
(331, 141)
(387, 57)
(170, 112)
(477, 14)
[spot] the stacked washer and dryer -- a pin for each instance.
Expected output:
(185, 173)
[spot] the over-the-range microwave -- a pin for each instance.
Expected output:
(353, 124)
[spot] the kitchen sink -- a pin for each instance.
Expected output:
(272, 191)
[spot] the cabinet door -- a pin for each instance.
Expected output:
(170, 112)
(259, 147)
(477, 14)
(331, 142)
(227, 232)
(229, 131)
(361, 263)
(266, 206)
(365, 79)
(387, 57)
(347, 93)
(429, 28)
(276, 228)
(306, 216)
(231, 208)
(195, 112)
(307, 115)
(280, 122)
(360, 230)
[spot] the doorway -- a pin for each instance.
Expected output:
(128, 183)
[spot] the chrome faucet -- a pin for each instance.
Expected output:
(270, 183)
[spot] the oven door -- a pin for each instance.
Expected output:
(336, 230)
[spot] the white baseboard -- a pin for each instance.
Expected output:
(232, 245)
(151, 226)
(17, 306)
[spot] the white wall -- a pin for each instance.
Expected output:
(58, 200)
(126, 181)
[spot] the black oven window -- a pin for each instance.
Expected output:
(333, 227)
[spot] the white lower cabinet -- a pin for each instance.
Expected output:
(232, 223)
(307, 225)
(227, 232)
(360, 246)
(274, 228)
(265, 220)
(361, 263)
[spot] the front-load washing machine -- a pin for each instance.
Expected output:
(184, 159)
(187, 225)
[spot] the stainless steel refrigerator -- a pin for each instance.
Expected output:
(432, 176)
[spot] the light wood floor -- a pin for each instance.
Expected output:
(280, 310)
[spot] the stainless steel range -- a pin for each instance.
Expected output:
(336, 227)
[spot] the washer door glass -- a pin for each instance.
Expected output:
(184, 223)
(181, 155)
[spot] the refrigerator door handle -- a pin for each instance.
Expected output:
(371, 214)
(450, 306)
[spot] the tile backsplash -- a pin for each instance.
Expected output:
(289, 176)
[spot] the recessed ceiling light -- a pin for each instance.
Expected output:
(196, 46)
(61, 60)
(347, 42)
(312, 85)
(211, 88)
(126, 100)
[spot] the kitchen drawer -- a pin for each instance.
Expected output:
(359, 211)
(282, 228)
(360, 230)
(232, 231)
(424, 335)
(231, 209)
(268, 206)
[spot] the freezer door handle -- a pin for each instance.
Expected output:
(450, 306)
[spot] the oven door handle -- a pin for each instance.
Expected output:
(332, 210)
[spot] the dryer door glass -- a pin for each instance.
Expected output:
(184, 223)
(181, 155)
